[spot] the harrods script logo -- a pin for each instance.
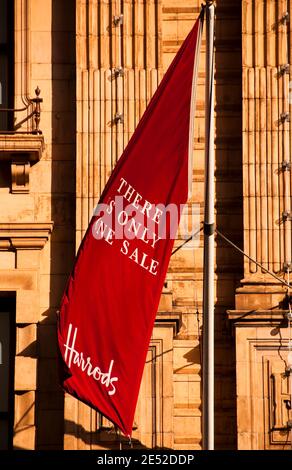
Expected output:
(72, 356)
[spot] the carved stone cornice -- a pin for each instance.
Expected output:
(24, 236)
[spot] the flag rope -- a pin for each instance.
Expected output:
(282, 281)
(187, 241)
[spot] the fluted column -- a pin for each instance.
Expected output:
(105, 43)
(266, 136)
(260, 318)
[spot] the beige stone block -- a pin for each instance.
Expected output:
(167, 414)
(244, 441)
(45, 259)
(243, 414)
(27, 306)
(167, 440)
(187, 393)
(254, 301)
(25, 373)
(41, 52)
(24, 439)
(15, 207)
(167, 386)
(41, 71)
(186, 426)
(184, 288)
(27, 259)
(24, 410)
(242, 350)
(41, 177)
(43, 208)
(180, 393)
(7, 260)
(182, 260)
(41, 17)
(165, 304)
(15, 279)
(242, 379)
(26, 340)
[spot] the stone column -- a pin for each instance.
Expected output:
(267, 139)
(110, 103)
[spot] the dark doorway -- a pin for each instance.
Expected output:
(7, 359)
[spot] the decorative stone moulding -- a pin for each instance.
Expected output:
(21, 151)
(29, 236)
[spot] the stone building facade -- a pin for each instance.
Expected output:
(61, 100)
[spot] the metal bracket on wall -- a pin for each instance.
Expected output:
(285, 166)
(119, 117)
(285, 18)
(287, 216)
(118, 20)
(285, 117)
(118, 72)
(284, 68)
(287, 267)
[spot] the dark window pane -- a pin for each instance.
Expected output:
(3, 90)
(7, 360)
(4, 360)
(3, 21)
(6, 63)
(4, 434)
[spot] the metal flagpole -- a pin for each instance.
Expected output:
(208, 288)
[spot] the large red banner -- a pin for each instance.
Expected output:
(109, 306)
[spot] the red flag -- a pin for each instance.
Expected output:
(109, 306)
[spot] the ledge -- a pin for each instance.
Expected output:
(169, 320)
(21, 150)
(30, 236)
(30, 147)
(260, 317)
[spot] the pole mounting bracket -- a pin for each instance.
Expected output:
(119, 117)
(284, 68)
(118, 20)
(285, 117)
(286, 166)
(285, 18)
(287, 267)
(287, 216)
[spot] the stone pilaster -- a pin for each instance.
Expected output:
(260, 316)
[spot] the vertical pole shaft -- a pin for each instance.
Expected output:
(208, 289)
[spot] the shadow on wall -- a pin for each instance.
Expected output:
(229, 211)
(50, 397)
